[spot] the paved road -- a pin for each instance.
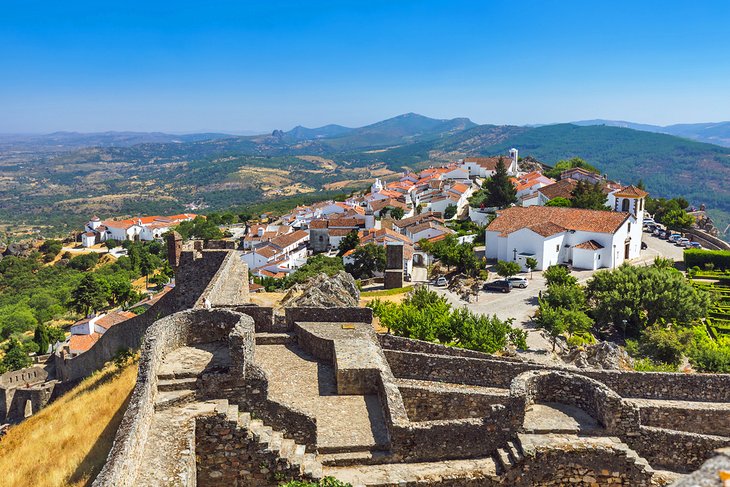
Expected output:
(521, 304)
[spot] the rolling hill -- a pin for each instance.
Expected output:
(711, 133)
(63, 187)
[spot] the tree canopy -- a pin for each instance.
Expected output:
(499, 189)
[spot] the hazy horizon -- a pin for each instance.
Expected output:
(235, 67)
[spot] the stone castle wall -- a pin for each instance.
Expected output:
(170, 333)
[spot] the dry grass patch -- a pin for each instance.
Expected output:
(66, 443)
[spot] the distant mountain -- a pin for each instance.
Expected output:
(304, 133)
(76, 140)
(164, 172)
(717, 133)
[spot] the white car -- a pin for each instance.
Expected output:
(517, 281)
(682, 242)
(441, 281)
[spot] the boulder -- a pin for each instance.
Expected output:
(602, 355)
(20, 249)
(322, 291)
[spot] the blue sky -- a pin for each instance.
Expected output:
(243, 65)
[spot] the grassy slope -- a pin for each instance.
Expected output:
(67, 442)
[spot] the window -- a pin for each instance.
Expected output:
(557, 248)
(625, 205)
(599, 256)
(629, 227)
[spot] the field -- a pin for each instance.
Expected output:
(67, 442)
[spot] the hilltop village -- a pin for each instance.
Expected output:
(478, 323)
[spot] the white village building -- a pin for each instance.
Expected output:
(586, 239)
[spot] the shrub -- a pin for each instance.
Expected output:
(560, 275)
(648, 365)
(717, 259)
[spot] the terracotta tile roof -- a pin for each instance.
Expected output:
(546, 229)
(114, 318)
(459, 188)
(82, 343)
(631, 192)
(426, 225)
(254, 288)
(283, 241)
(345, 222)
(589, 245)
(414, 220)
(489, 163)
(267, 251)
(516, 218)
(275, 275)
(562, 189)
(90, 234)
(318, 224)
(339, 232)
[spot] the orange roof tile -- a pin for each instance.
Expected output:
(537, 217)
(631, 191)
(589, 245)
(562, 189)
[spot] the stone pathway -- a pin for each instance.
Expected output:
(169, 456)
(560, 418)
(344, 422)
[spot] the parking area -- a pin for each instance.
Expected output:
(521, 304)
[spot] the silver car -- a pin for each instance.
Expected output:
(517, 281)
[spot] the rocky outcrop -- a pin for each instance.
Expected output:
(602, 355)
(322, 291)
(20, 249)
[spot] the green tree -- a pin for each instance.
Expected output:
(397, 213)
(41, 338)
(507, 268)
(560, 202)
(499, 188)
(566, 164)
(367, 259)
(450, 211)
(634, 298)
(201, 228)
(348, 242)
(16, 318)
(531, 263)
(50, 249)
(146, 266)
(316, 265)
(88, 296)
(559, 275)
(678, 219)
(589, 196)
(551, 320)
(566, 296)
(16, 357)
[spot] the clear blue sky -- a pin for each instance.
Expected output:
(243, 65)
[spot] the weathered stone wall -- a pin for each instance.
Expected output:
(229, 285)
(388, 341)
(601, 403)
(428, 402)
(589, 467)
(708, 475)
(339, 315)
(17, 386)
(227, 455)
(263, 316)
(170, 333)
(675, 450)
(685, 417)
(492, 371)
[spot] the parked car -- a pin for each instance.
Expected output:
(502, 285)
(650, 228)
(644, 246)
(517, 281)
(695, 245)
(407, 277)
(441, 281)
(658, 230)
(674, 237)
(649, 221)
(682, 242)
(664, 234)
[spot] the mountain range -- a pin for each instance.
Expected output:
(112, 175)
(711, 132)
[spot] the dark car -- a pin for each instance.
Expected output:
(644, 246)
(501, 286)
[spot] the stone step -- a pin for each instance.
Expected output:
(344, 459)
(311, 467)
(179, 374)
(275, 442)
(244, 420)
(232, 413)
(287, 447)
(447, 472)
(167, 399)
(501, 458)
(515, 451)
(274, 338)
(176, 384)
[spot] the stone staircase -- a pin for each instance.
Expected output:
(174, 389)
(274, 338)
(292, 454)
